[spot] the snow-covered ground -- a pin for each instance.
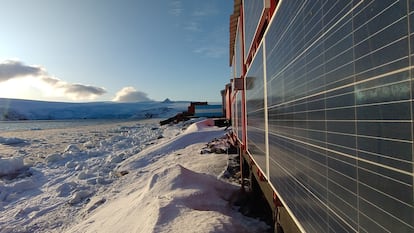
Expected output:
(123, 177)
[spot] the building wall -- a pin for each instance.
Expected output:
(338, 79)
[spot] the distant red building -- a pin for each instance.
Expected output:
(191, 108)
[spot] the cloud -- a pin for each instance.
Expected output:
(212, 45)
(74, 90)
(50, 80)
(52, 86)
(10, 69)
(192, 26)
(206, 10)
(212, 51)
(130, 94)
(176, 8)
(79, 91)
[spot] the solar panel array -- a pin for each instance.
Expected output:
(337, 84)
(255, 106)
(253, 11)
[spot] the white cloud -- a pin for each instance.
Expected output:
(130, 94)
(10, 69)
(47, 85)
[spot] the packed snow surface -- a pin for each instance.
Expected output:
(123, 177)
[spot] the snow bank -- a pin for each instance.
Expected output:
(11, 141)
(175, 189)
(173, 199)
(191, 201)
(11, 165)
(200, 125)
(122, 179)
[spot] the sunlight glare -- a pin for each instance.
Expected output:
(22, 88)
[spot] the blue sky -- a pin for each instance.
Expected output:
(123, 50)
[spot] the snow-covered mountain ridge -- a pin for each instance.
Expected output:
(15, 109)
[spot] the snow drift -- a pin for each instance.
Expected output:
(120, 178)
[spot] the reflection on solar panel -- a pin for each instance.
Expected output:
(329, 111)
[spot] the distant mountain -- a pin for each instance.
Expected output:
(15, 109)
(167, 101)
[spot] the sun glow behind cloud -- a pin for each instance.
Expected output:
(18, 88)
(18, 80)
(28, 87)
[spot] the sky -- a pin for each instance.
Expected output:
(114, 50)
